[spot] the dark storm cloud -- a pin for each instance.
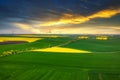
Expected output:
(27, 11)
(109, 22)
(6, 25)
(39, 9)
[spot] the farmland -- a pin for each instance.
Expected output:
(2, 39)
(30, 61)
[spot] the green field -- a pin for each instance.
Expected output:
(22, 64)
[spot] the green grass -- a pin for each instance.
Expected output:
(111, 45)
(99, 65)
(56, 66)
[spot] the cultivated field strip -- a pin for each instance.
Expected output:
(57, 74)
(4, 39)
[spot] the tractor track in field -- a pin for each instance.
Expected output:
(68, 42)
(17, 52)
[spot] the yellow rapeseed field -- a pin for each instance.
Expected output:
(60, 49)
(102, 38)
(3, 39)
(83, 37)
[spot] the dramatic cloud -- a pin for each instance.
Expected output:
(57, 16)
(78, 19)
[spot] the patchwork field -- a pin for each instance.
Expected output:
(42, 59)
(4, 39)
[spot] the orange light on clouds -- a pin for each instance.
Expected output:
(78, 19)
(105, 13)
(66, 19)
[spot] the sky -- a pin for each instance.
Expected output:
(59, 16)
